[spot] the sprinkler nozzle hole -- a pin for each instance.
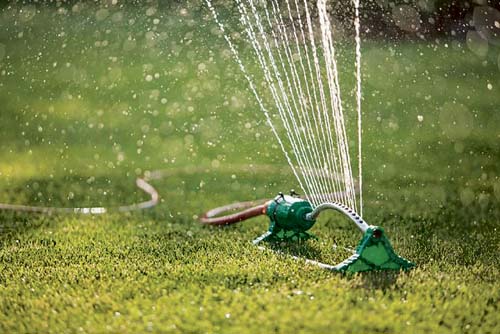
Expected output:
(377, 234)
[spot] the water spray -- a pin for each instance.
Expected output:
(300, 73)
(291, 218)
(296, 52)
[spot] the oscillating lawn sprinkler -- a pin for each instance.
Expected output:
(292, 217)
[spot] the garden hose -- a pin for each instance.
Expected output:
(143, 183)
(249, 210)
(290, 219)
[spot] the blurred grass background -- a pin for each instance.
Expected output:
(92, 97)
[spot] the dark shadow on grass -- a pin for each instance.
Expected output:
(379, 280)
(301, 249)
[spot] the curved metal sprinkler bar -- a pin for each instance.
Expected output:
(351, 214)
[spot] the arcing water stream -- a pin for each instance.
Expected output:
(301, 74)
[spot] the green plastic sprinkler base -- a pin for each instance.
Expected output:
(374, 252)
(289, 236)
(292, 217)
(288, 219)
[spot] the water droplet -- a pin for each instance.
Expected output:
(2, 51)
(486, 20)
(406, 17)
(456, 120)
(151, 11)
(129, 44)
(27, 13)
(476, 44)
(496, 189)
(490, 86)
(467, 196)
(117, 17)
(101, 14)
(420, 118)
(150, 35)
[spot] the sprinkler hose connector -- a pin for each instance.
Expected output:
(288, 215)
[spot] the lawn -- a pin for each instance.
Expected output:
(91, 98)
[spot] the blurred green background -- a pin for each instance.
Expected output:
(93, 95)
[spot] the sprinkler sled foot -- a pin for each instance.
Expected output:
(374, 252)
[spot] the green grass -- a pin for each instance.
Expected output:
(79, 134)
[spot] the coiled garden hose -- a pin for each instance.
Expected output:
(141, 183)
